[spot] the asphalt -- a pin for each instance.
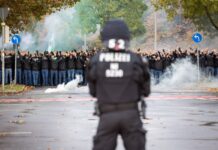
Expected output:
(64, 121)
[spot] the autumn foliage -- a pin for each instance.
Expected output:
(23, 12)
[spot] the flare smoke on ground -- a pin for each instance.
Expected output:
(183, 74)
(70, 87)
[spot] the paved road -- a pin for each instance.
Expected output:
(177, 121)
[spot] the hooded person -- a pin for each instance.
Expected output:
(118, 78)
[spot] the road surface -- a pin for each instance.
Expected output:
(64, 121)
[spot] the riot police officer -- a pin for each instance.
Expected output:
(118, 78)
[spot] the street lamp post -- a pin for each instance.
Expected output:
(155, 27)
(3, 15)
(155, 30)
(3, 57)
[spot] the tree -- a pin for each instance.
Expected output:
(202, 13)
(24, 12)
(95, 12)
(86, 15)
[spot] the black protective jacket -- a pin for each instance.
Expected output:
(118, 77)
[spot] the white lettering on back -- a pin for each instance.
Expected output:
(114, 71)
(114, 57)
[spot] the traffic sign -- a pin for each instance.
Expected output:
(16, 39)
(197, 37)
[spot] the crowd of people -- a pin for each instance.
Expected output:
(53, 68)
(161, 60)
(47, 68)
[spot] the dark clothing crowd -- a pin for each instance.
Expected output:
(53, 68)
(45, 69)
(161, 60)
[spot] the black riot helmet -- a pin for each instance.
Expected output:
(115, 35)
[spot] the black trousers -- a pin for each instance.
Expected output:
(126, 123)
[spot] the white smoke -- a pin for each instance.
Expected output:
(58, 31)
(27, 41)
(183, 75)
(70, 86)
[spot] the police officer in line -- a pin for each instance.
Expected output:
(118, 78)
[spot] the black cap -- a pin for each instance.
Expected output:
(115, 29)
